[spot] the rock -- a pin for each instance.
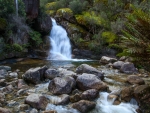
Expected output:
(90, 81)
(127, 94)
(134, 79)
(123, 58)
(22, 92)
(22, 84)
(34, 111)
(2, 82)
(118, 64)
(7, 68)
(65, 72)
(12, 103)
(2, 98)
(34, 75)
(59, 100)
(142, 95)
(61, 85)
(84, 68)
(3, 73)
(116, 102)
(13, 75)
(50, 111)
(84, 106)
(107, 60)
(112, 97)
(4, 110)
(128, 68)
(90, 94)
(75, 98)
(37, 101)
(51, 73)
(23, 107)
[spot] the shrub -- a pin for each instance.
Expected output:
(136, 37)
(76, 6)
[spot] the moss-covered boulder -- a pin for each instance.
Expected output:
(65, 14)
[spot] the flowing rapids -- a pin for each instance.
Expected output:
(60, 43)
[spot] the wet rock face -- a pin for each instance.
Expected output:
(128, 68)
(142, 95)
(61, 85)
(118, 64)
(84, 106)
(37, 101)
(90, 81)
(34, 75)
(84, 68)
(134, 79)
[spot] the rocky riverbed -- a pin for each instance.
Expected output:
(75, 89)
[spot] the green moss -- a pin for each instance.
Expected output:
(76, 28)
(64, 12)
(51, 5)
(109, 37)
(51, 12)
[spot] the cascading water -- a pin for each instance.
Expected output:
(60, 43)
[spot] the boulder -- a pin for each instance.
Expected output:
(118, 64)
(128, 68)
(107, 60)
(127, 94)
(142, 95)
(134, 79)
(3, 73)
(2, 99)
(75, 98)
(65, 72)
(13, 75)
(35, 75)
(51, 73)
(90, 94)
(21, 84)
(37, 101)
(4, 110)
(84, 106)
(59, 100)
(90, 81)
(2, 83)
(61, 85)
(84, 68)
(23, 107)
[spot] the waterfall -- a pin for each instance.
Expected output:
(60, 43)
(16, 5)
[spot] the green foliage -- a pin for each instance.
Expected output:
(64, 12)
(13, 48)
(136, 37)
(109, 37)
(35, 38)
(2, 24)
(76, 6)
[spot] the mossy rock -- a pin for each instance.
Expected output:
(51, 5)
(3, 24)
(51, 12)
(65, 13)
(80, 19)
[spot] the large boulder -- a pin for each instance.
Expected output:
(128, 68)
(61, 85)
(127, 94)
(134, 79)
(118, 64)
(3, 73)
(85, 68)
(35, 75)
(64, 72)
(90, 81)
(84, 106)
(51, 73)
(107, 60)
(90, 94)
(142, 95)
(37, 101)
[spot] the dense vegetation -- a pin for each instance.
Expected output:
(123, 25)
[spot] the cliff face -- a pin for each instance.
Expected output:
(32, 8)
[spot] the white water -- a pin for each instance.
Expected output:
(60, 43)
(105, 105)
